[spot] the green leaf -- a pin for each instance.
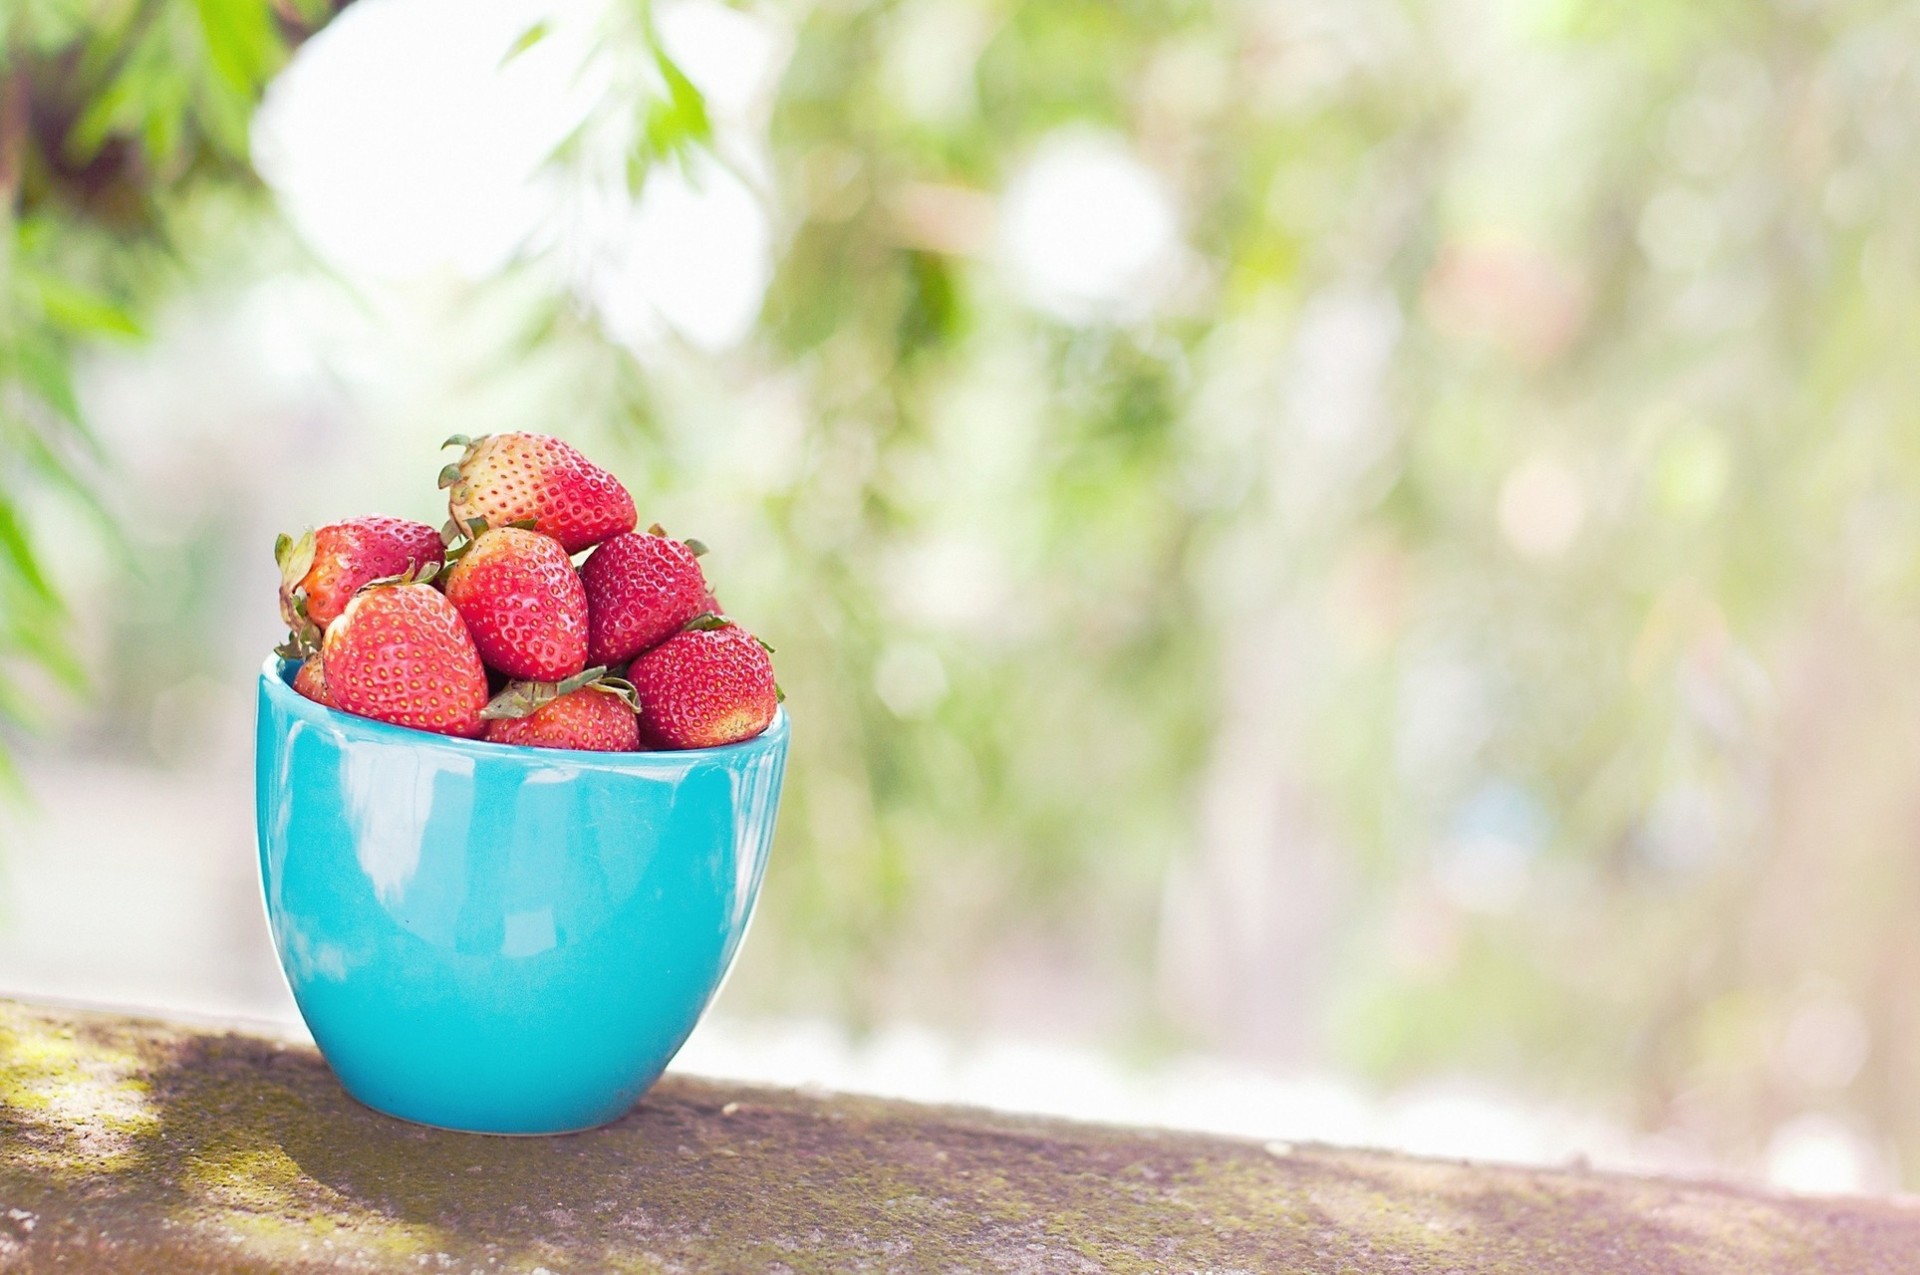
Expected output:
(523, 699)
(112, 110)
(528, 38)
(44, 371)
(295, 557)
(17, 550)
(241, 41)
(671, 124)
(620, 688)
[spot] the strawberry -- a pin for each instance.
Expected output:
(399, 653)
(522, 602)
(321, 571)
(707, 685)
(503, 478)
(311, 681)
(588, 711)
(640, 590)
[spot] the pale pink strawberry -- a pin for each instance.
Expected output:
(508, 478)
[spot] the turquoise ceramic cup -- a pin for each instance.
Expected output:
(502, 939)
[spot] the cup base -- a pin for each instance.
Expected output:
(561, 1132)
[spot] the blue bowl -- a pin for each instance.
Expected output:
(502, 939)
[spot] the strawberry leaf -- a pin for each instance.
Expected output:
(449, 476)
(293, 557)
(416, 573)
(524, 699)
(706, 621)
(698, 548)
(620, 688)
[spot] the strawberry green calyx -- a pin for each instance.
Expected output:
(524, 699)
(698, 548)
(458, 537)
(421, 573)
(295, 559)
(453, 481)
(459, 541)
(302, 643)
(707, 621)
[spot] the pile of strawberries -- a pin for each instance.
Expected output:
(487, 630)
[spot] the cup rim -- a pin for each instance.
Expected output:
(276, 682)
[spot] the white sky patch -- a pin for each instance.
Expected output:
(694, 256)
(402, 142)
(1818, 1155)
(1086, 228)
(399, 144)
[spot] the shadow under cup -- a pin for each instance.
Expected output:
(495, 938)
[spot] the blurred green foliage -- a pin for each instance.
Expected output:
(1456, 613)
(113, 113)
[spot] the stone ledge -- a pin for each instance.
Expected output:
(136, 1146)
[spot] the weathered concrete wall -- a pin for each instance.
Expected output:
(132, 1146)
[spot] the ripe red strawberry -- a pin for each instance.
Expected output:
(590, 711)
(326, 567)
(311, 681)
(640, 590)
(523, 603)
(504, 478)
(707, 685)
(399, 653)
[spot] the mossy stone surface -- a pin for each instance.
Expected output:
(135, 1146)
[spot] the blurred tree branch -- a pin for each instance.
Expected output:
(110, 113)
(55, 152)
